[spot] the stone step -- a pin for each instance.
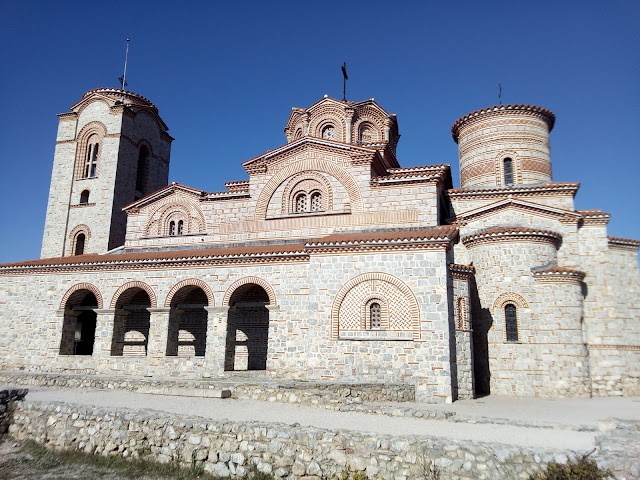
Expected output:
(187, 392)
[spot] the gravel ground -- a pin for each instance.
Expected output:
(576, 412)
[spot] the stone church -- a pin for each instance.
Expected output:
(329, 262)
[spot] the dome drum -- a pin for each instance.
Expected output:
(504, 145)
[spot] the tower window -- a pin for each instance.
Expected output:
(80, 241)
(91, 162)
(180, 227)
(143, 169)
(376, 315)
(511, 322)
(507, 163)
(84, 197)
(172, 228)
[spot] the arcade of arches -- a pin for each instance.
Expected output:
(186, 330)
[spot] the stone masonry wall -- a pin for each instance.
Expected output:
(549, 358)
(612, 313)
(300, 342)
(232, 448)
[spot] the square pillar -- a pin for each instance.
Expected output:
(104, 333)
(215, 350)
(158, 334)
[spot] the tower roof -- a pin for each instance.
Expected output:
(127, 98)
(547, 115)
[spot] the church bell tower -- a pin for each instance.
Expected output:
(112, 148)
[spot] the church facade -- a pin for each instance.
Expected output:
(331, 262)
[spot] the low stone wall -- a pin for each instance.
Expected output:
(288, 391)
(6, 398)
(286, 451)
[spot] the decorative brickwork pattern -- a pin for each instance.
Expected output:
(307, 183)
(342, 175)
(350, 305)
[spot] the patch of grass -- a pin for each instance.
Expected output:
(36, 457)
(578, 469)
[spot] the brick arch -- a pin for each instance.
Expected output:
(499, 166)
(366, 122)
(313, 164)
(243, 281)
(186, 283)
(82, 228)
(158, 221)
(93, 100)
(461, 313)
(509, 297)
(83, 136)
(414, 311)
(81, 286)
(135, 284)
(325, 115)
(327, 191)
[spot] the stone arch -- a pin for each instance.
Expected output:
(309, 164)
(81, 286)
(134, 284)
(243, 281)
(372, 279)
(190, 282)
(326, 190)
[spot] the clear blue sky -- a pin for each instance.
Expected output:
(225, 75)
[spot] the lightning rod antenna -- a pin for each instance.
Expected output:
(126, 57)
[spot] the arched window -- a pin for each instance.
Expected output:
(143, 169)
(180, 227)
(84, 197)
(329, 132)
(316, 202)
(375, 315)
(172, 228)
(511, 322)
(90, 169)
(80, 241)
(508, 171)
(301, 203)
(367, 133)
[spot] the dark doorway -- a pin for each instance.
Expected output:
(131, 324)
(247, 329)
(79, 324)
(187, 336)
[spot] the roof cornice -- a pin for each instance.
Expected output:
(546, 189)
(511, 234)
(547, 115)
